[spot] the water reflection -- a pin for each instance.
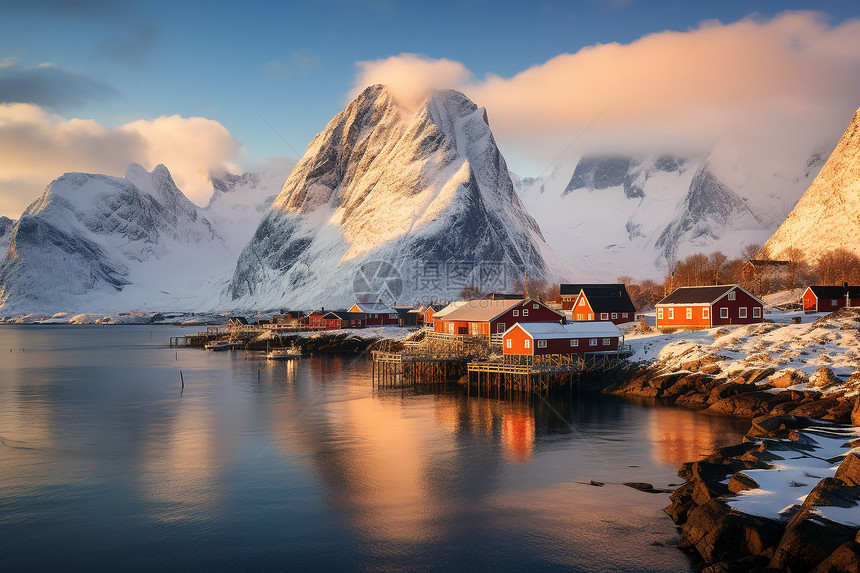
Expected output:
(679, 437)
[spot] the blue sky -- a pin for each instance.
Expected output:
(293, 64)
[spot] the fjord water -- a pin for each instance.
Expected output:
(107, 464)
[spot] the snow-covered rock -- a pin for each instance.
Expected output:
(94, 243)
(7, 225)
(826, 216)
(425, 191)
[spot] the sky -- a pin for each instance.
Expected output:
(93, 85)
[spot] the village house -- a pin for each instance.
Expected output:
(428, 313)
(378, 314)
(314, 319)
(535, 339)
(484, 317)
(440, 314)
(830, 298)
(406, 315)
(707, 306)
(599, 302)
(338, 319)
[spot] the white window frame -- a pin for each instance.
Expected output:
(834, 302)
(500, 327)
(731, 295)
(574, 342)
(660, 313)
(756, 312)
(742, 312)
(508, 343)
(607, 342)
(706, 312)
(689, 313)
(535, 306)
(614, 315)
(590, 316)
(671, 313)
(624, 315)
(724, 312)
(592, 342)
(604, 316)
(541, 343)
(525, 312)
(581, 302)
(527, 343)
(516, 313)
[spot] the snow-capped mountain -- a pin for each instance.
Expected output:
(391, 202)
(826, 216)
(618, 215)
(6, 227)
(106, 244)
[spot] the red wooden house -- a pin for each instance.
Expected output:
(598, 302)
(314, 319)
(341, 319)
(830, 298)
(378, 314)
(485, 317)
(429, 312)
(535, 339)
(707, 306)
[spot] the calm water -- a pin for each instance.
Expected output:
(105, 465)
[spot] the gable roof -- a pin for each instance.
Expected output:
(604, 297)
(552, 330)
(702, 294)
(374, 307)
(835, 291)
(482, 310)
(445, 311)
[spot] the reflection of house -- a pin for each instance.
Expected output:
(378, 314)
(518, 433)
(598, 302)
(535, 339)
(830, 298)
(484, 317)
(343, 319)
(707, 306)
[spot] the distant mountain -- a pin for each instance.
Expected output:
(619, 215)
(7, 225)
(102, 244)
(827, 216)
(394, 203)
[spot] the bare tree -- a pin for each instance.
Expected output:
(837, 267)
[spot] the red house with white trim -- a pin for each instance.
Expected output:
(707, 306)
(341, 319)
(536, 339)
(378, 314)
(598, 302)
(485, 317)
(830, 298)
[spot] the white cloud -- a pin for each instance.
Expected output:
(36, 147)
(777, 83)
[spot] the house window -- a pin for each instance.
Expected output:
(834, 302)
(592, 342)
(541, 343)
(574, 342)
(582, 302)
(392, 316)
(606, 342)
(689, 313)
(604, 316)
(623, 315)
(742, 312)
(516, 313)
(450, 327)
(535, 306)
(706, 312)
(525, 312)
(500, 327)
(614, 315)
(756, 312)
(671, 313)
(660, 313)
(527, 343)
(724, 313)
(732, 295)
(508, 343)
(578, 317)
(590, 316)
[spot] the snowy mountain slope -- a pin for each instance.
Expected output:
(7, 225)
(104, 244)
(239, 202)
(621, 215)
(826, 216)
(426, 191)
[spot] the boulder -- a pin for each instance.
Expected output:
(855, 413)
(748, 405)
(823, 378)
(844, 559)
(741, 482)
(788, 377)
(754, 375)
(849, 470)
(717, 533)
(728, 390)
(806, 543)
(815, 408)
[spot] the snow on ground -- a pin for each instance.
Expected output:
(781, 344)
(802, 465)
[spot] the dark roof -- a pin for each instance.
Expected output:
(238, 319)
(503, 296)
(603, 297)
(699, 294)
(343, 315)
(835, 291)
(766, 263)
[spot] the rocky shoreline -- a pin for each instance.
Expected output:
(800, 537)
